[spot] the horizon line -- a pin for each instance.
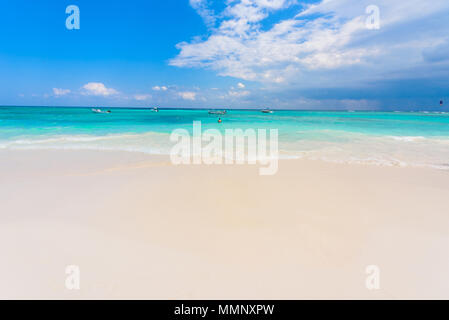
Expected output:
(442, 109)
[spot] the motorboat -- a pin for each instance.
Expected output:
(100, 111)
(219, 112)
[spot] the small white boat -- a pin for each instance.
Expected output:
(100, 111)
(220, 112)
(155, 109)
(267, 111)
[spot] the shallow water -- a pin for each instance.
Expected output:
(382, 138)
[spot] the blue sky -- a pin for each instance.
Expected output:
(230, 53)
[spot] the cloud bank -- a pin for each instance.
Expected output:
(318, 44)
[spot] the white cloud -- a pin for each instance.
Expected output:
(238, 94)
(317, 41)
(142, 97)
(201, 7)
(98, 89)
(160, 88)
(187, 95)
(241, 85)
(60, 92)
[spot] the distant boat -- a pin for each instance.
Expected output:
(100, 111)
(267, 111)
(220, 112)
(155, 109)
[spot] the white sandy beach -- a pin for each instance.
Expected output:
(139, 227)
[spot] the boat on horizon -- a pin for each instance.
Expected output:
(267, 111)
(100, 111)
(96, 111)
(220, 112)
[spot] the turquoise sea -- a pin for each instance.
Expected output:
(381, 138)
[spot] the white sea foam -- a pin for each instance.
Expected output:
(152, 143)
(416, 151)
(407, 139)
(399, 151)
